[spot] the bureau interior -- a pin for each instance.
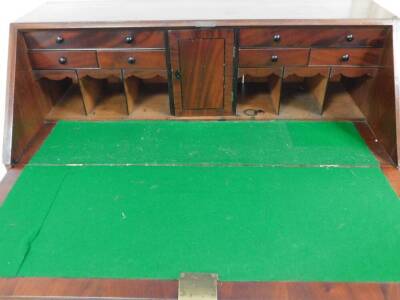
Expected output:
(262, 72)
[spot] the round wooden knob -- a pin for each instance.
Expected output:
(277, 37)
(59, 39)
(62, 60)
(345, 57)
(131, 60)
(129, 39)
(349, 37)
(274, 58)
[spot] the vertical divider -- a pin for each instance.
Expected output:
(91, 89)
(131, 88)
(276, 88)
(318, 85)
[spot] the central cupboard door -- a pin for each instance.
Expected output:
(202, 71)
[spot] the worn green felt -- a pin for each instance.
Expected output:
(105, 216)
(244, 223)
(182, 142)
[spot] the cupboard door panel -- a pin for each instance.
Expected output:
(202, 64)
(202, 71)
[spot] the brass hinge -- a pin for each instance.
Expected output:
(198, 286)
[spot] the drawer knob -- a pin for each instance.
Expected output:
(59, 39)
(345, 57)
(62, 60)
(274, 58)
(131, 60)
(349, 37)
(129, 39)
(277, 37)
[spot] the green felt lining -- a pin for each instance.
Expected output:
(244, 223)
(205, 142)
(89, 204)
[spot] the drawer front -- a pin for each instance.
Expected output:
(272, 57)
(345, 56)
(94, 38)
(312, 37)
(63, 59)
(132, 59)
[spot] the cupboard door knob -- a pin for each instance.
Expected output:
(178, 75)
(129, 39)
(62, 60)
(349, 37)
(59, 39)
(345, 57)
(131, 60)
(274, 58)
(277, 37)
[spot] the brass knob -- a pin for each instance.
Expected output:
(62, 60)
(277, 37)
(129, 39)
(59, 39)
(274, 58)
(131, 60)
(345, 57)
(349, 37)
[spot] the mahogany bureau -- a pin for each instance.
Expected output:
(123, 61)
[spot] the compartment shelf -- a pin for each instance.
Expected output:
(61, 94)
(306, 93)
(69, 107)
(147, 93)
(259, 91)
(103, 94)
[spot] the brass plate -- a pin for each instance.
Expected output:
(198, 286)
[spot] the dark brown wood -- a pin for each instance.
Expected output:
(94, 38)
(376, 99)
(353, 72)
(31, 288)
(264, 57)
(56, 75)
(89, 288)
(367, 56)
(26, 112)
(159, 75)
(305, 72)
(259, 72)
(312, 37)
(201, 63)
(140, 59)
(308, 291)
(73, 59)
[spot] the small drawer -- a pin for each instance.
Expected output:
(346, 56)
(63, 59)
(312, 37)
(132, 59)
(272, 57)
(94, 38)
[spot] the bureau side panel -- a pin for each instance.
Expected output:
(24, 113)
